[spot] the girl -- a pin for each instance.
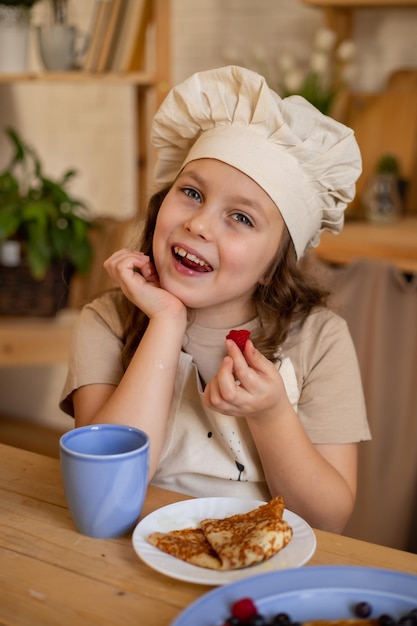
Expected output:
(247, 182)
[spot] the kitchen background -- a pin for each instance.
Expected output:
(92, 127)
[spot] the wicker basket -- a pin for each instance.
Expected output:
(22, 295)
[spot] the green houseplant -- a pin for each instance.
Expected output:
(49, 224)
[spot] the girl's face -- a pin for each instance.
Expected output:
(216, 234)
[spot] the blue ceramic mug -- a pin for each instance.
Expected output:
(105, 470)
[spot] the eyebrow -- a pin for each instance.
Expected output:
(242, 200)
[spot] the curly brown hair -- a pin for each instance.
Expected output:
(286, 296)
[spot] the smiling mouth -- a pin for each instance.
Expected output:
(191, 261)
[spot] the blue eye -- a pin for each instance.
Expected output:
(242, 218)
(192, 193)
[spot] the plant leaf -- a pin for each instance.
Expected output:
(9, 221)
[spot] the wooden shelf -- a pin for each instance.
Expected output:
(362, 4)
(144, 79)
(29, 341)
(339, 13)
(395, 243)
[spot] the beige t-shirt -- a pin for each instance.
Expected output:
(210, 454)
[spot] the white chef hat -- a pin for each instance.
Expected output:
(306, 162)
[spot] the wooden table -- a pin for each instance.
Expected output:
(51, 575)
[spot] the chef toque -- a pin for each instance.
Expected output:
(305, 161)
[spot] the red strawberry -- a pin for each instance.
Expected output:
(240, 337)
(244, 609)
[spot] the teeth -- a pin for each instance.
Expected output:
(184, 254)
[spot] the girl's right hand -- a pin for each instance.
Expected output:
(139, 281)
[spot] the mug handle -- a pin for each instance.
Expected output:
(82, 40)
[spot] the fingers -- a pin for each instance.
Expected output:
(245, 384)
(247, 364)
(125, 260)
(220, 393)
(122, 260)
(132, 271)
(224, 393)
(137, 278)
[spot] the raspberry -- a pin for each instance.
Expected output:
(244, 609)
(240, 337)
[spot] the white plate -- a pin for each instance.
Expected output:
(189, 513)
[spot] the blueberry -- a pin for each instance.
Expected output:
(363, 609)
(233, 621)
(281, 619)
(386, 620)
(256, 620)
(408, 620)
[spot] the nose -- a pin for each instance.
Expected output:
(200, 224)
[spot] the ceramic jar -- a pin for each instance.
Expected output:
(382, 199)
(14, 38)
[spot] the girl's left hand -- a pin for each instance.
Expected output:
(246, 385)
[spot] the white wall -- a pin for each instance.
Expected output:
(93, 128)
(204, 29)
(206, 32)
(386, 41)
